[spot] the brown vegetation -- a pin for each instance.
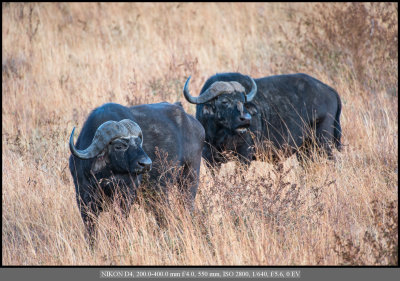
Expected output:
(61, 60)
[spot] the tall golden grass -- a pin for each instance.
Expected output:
(61, 60)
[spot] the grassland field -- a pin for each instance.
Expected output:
(61, 60)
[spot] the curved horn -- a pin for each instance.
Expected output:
(133, 128)
(186, 93)
(107, 132)
(216, 89)
(237, 86)
(253, 90)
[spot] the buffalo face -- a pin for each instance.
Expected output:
(127, 156)
(225, 102)
(229, 112)
(116, 149)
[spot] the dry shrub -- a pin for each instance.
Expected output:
(269, 198)
(357, 40)
(381, 243)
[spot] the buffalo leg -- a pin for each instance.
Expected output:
(190, 183)
(324, 135)
(211, 159)
(318, 142)
(89, 213)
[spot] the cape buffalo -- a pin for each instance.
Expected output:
(118, 144)
(288, 111)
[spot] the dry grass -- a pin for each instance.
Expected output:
(62, 60)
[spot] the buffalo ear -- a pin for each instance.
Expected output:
(207, 109)
(251, 108)
(100, 162)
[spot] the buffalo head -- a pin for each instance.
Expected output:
(224, 102)
(117, 148)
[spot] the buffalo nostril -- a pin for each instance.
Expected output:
(245, 118)
(144, 163)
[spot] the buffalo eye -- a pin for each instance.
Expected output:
(224, 102)
(120, 146)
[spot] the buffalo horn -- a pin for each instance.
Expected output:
(218, 88)
(253, 90)
(107, 132)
